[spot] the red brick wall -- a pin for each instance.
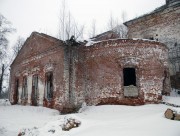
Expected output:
(163, 26)
(92, 74)
(103, 63)
(38, 57)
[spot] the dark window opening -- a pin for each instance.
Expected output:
(49, 85)
(16, 90)
(17, 86)
(24, 88)
(129, 75)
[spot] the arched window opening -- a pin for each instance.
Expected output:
(49, 85)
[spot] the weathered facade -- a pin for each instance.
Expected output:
(162, 24)
(55, 74)
(39, 55)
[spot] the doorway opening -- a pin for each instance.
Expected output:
(129, 76)
(130, 88)
(49, 85)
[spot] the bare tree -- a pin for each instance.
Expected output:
(62, 17)
(1, 78)
(78, 31)
(18, 45)
(112, 22)
(124, 16)
(5, 29)
(93, 30)
(116, 25)
(67, 24)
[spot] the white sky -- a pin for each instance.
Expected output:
(42, 15)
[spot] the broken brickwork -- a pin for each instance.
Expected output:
(70, 75)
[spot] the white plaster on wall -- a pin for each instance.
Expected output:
(29, 87)
(41, 91)
(20, 93)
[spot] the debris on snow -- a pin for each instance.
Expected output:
(100, 119)
(54, 128)
(172, 114)
(70, 123)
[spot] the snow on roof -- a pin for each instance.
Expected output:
(91, 42)
(145, 39)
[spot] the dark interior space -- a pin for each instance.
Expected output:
(49, 85)
(16, 91)
(129, 76)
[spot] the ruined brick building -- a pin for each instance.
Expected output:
(162, 24)
(63, 75)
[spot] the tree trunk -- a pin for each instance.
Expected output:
(1, 79)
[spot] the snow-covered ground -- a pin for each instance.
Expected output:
(115, 120)
(14, 118)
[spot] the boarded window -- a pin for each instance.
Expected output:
(24, 88)
(49, 85)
